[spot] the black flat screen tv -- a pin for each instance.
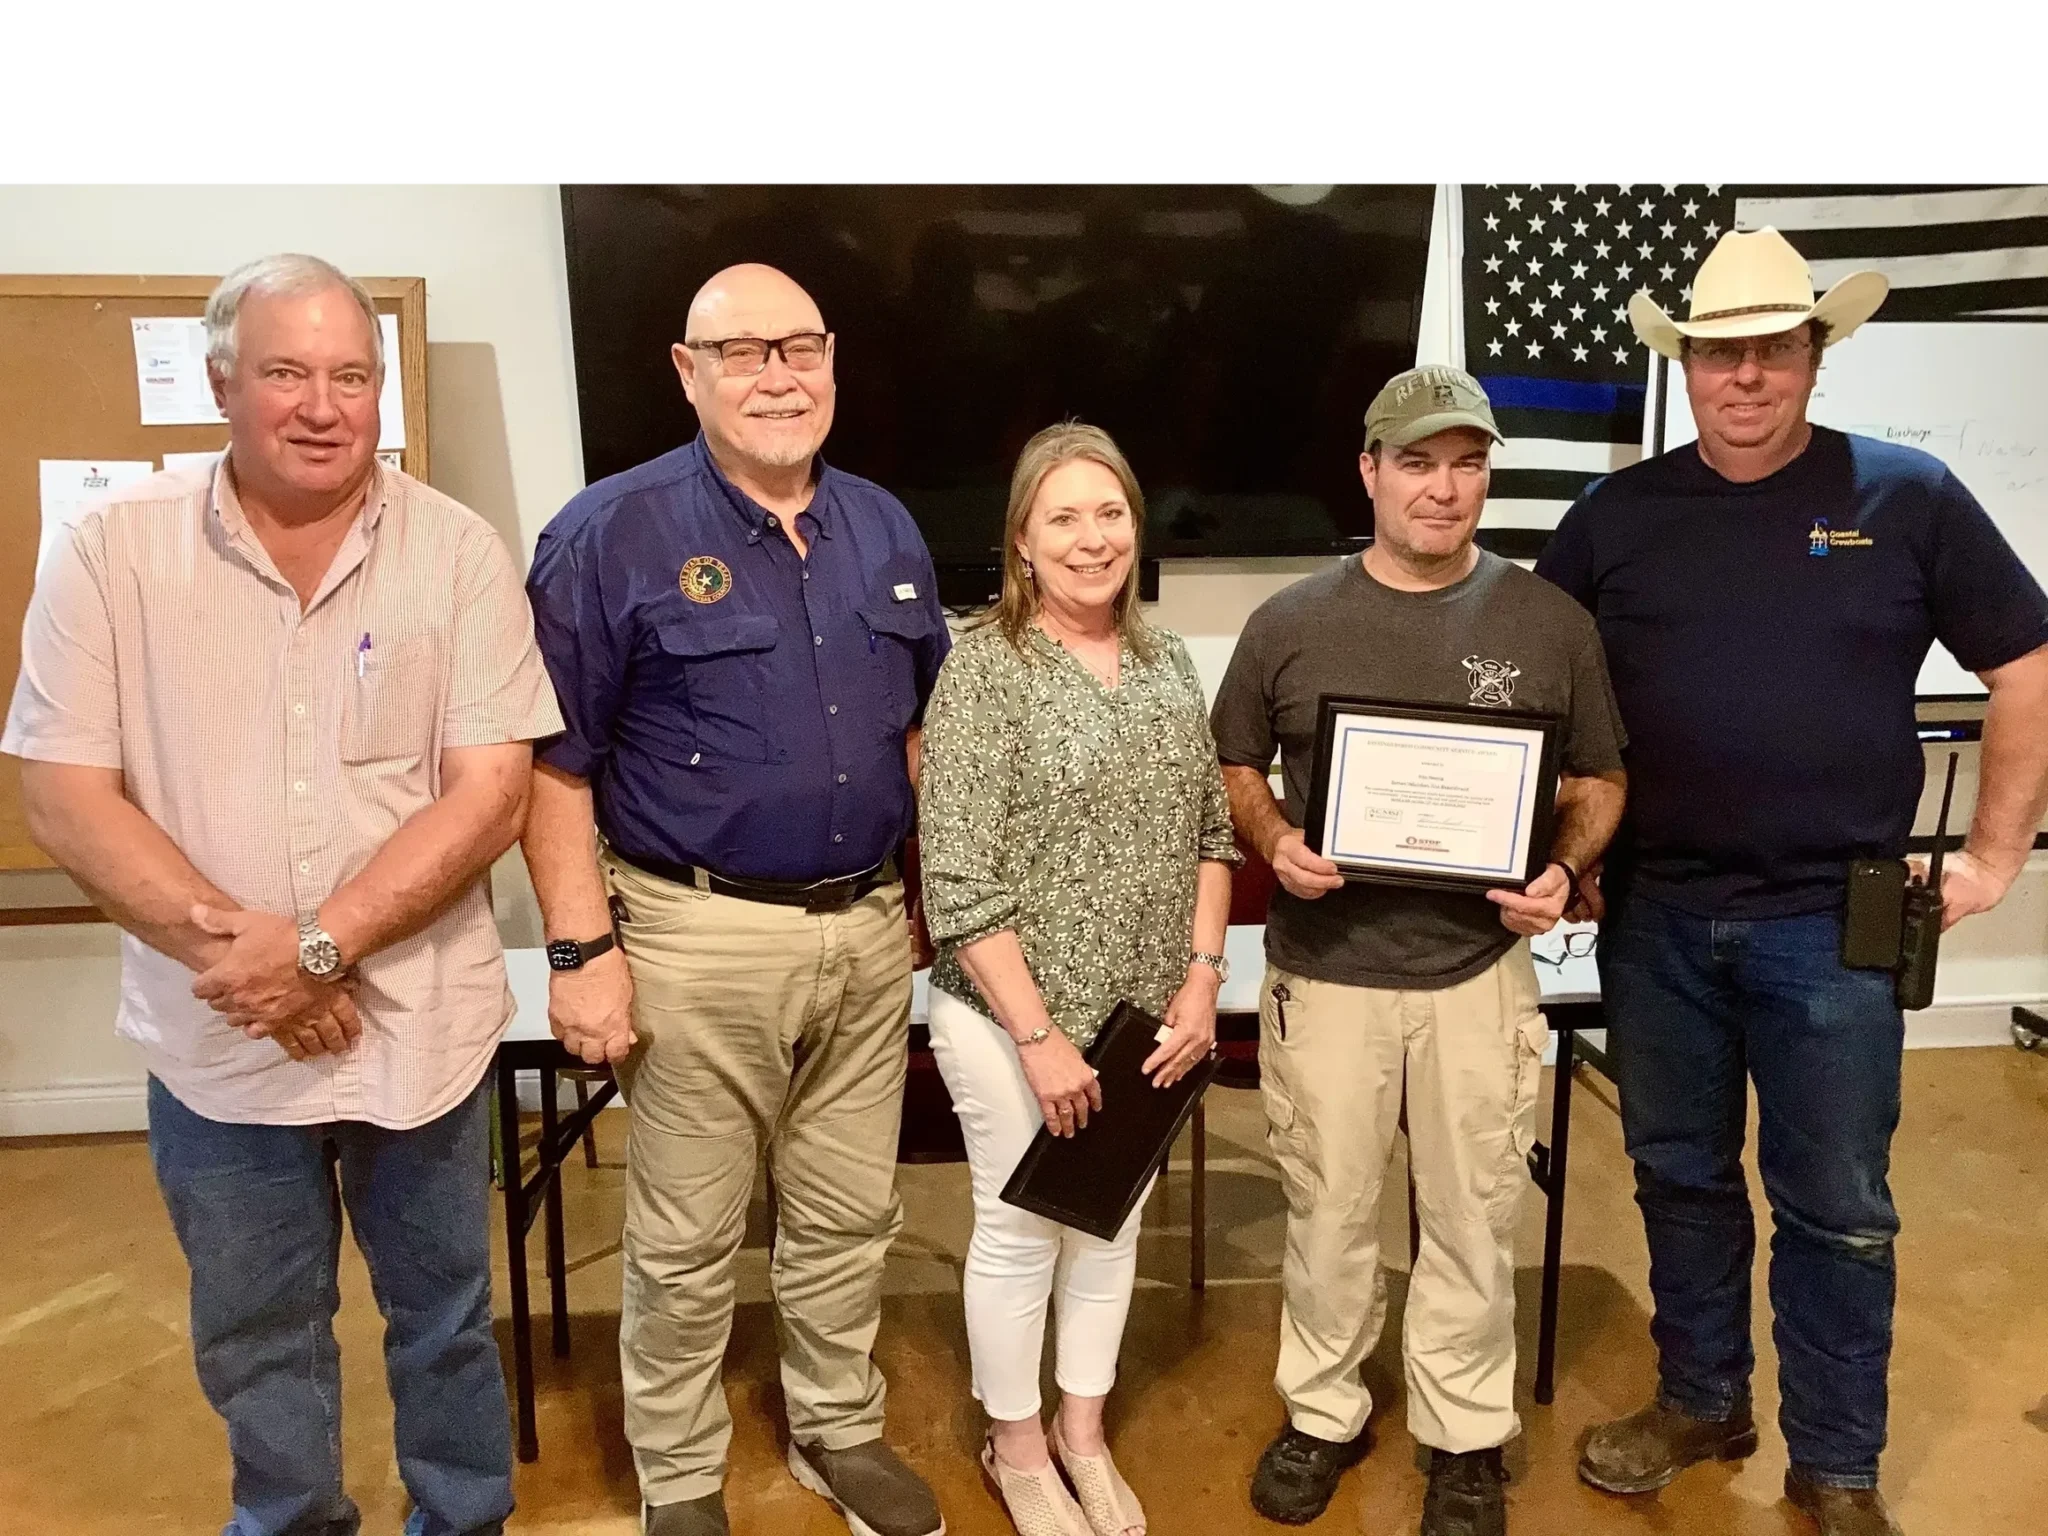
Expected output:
(1228, 337)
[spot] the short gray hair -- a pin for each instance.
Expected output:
(283, 276)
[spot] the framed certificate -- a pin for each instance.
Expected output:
(1458, 798)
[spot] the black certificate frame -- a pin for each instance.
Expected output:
(1541, 813)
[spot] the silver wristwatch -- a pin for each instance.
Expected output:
(318, 955)
(1215, 963)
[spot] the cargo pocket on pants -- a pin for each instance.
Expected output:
(1287, 1131)
(1528, 1035)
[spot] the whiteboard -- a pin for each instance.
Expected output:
(1972, 393)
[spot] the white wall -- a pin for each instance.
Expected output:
(504, 439)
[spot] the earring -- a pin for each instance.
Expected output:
(1029, 575)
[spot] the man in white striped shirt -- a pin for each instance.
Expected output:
(276, 718)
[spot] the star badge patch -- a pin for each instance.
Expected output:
(705, 579)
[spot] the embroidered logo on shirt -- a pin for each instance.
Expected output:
(1493, 682)
(905, 591)
(1820, 538)
(705, 579)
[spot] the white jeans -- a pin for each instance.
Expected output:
(1017, 1260)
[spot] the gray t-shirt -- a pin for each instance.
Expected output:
(1341, 632)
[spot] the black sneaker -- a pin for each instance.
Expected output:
(1464, 1496)
(1298, 1473)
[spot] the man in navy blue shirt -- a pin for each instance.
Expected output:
(743, 640)
(1766, 597)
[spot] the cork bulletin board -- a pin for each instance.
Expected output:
(68, 390)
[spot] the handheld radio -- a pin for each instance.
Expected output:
(1920, 938)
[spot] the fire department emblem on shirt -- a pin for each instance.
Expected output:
(705, 579)
(1493, 682)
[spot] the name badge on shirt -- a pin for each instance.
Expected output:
(905, 592)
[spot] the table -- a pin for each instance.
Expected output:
(529, 1045)
(1571, 1001)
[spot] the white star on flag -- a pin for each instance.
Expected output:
(1544, 275)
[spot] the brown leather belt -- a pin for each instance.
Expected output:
(815, 896)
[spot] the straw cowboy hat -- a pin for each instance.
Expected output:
(1755, 285)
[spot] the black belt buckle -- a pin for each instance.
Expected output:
(842, 894)
(835, 898)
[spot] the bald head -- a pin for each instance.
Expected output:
(751, 300)
(765, 423)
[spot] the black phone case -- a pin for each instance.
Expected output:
(1873, 918)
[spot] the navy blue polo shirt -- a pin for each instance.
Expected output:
(736, 707)
(1764, 640)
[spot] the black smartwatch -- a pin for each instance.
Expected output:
(573, 955)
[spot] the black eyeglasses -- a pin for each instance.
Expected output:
(1570, 946)
(802, 351)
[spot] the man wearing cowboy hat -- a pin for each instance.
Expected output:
(1766, 596)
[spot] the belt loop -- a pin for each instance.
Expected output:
(700, 878)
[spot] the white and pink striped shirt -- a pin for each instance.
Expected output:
(280, 749)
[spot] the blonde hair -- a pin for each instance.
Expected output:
(1060, 444)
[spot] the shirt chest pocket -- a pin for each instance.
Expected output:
(1172, 747)
(391, 702)
(721, 667)
(896, 634)
(1065, 767)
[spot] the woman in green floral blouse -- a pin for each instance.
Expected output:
(1077, 852)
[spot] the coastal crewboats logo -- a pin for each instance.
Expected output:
(1493, 682)
(1820, 538)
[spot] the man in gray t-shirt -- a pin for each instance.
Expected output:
(1372, 986)
(1498, 634)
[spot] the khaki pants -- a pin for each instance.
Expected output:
(1333, 1060)
(759, 1026)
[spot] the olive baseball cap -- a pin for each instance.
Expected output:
(1425, 401)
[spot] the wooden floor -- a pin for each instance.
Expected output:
(103, 1429)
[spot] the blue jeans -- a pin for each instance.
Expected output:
(1697, 1004)
(258, 1212)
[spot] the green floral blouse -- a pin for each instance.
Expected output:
(1071, 813)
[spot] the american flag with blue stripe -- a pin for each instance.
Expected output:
(1548, 270)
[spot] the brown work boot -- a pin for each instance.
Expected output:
(1654, 1444)
(1841, 1511)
